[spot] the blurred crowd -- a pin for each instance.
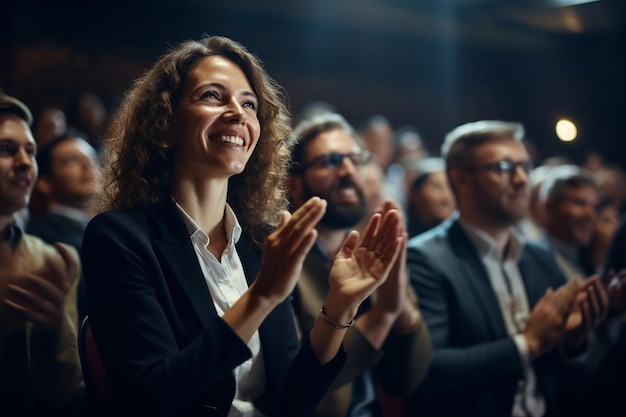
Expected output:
(478, 207)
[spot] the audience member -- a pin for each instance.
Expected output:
(612, 182)
(601, 392)
(378, 137)
(569, 197)
(49, 124)
(410, 146)
(430, 200)
(490, 300)
(188, 317)
(87, 115)
(388, 344)
(531, 226)
(39, 364)
(68, 180)
(604, 228)
(594, 162)
(313, 108)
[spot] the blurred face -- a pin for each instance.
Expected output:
(372, 176)
(606, 224)
(51, 124)
(572, 218)
(379, 140)
(340, 185)
(18, 168)
(433, 202)
(215, 123)
(74, 170)
(493, 196)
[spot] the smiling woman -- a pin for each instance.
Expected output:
(194, 316)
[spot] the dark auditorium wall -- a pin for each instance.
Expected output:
(53, 50)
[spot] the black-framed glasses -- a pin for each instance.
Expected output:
(504, 167)
(335, 160)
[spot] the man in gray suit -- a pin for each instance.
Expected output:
(500, 328)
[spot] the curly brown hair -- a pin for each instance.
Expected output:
(139, 164)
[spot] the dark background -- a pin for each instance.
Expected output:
(429, 63)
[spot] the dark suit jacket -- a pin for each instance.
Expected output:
(475, 365)
(53, 227)
(165, 350)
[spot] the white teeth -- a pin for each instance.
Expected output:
(231, 139)
(347, 192)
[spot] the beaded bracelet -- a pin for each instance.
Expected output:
(333, 322)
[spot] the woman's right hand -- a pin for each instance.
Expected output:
(285, 250)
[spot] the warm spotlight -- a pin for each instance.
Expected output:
(566, 130)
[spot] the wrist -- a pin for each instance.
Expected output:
(258, 299)
(337, 325)
(408, 321)
(338, 310)
(534, 346)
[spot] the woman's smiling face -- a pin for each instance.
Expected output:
(216, 127)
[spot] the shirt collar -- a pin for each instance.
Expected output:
(71, 212)
(12, 234)
(487, 246)
(231, 224)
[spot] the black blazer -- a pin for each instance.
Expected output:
(475, 365)
(165, 350)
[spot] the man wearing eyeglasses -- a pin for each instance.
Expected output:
(502, 320)
(387, 346)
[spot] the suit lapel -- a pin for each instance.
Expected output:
(539, 272)
(473, 272)
(179, 261)
(277, 332)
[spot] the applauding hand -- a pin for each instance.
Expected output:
(362, 266)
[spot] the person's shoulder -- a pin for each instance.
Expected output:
(539, 248)
(538, 255)
(433, 237)
(36, 251)
(35, 245)
(48, 226)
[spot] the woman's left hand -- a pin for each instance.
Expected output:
(362, 266)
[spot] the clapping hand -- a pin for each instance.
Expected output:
(391, 297)
(362, 266)
(285, 249)
(39, 296)
(548, 318)
(615, 285)
(589, 309)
